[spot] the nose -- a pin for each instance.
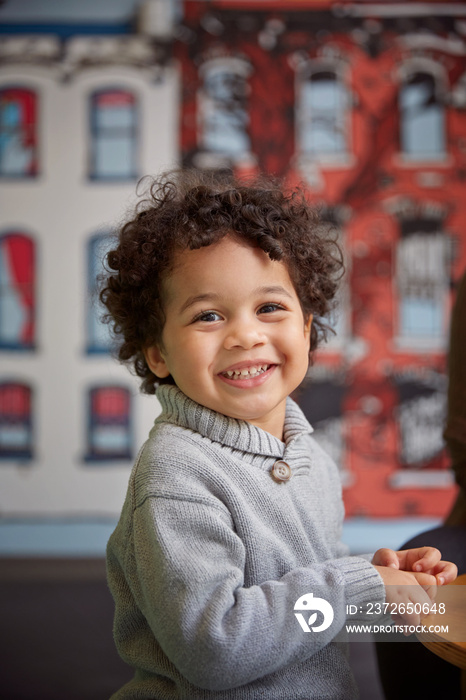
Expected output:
(245, 333)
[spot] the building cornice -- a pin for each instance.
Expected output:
(78, 53)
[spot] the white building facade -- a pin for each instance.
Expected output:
(82, 118)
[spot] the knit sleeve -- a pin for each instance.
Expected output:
(189, 583)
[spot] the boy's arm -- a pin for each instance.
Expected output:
(219, 633)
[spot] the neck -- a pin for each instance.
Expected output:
(273, 422)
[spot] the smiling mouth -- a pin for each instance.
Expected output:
(246, 372)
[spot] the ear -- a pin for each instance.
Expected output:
(308, 324)
(156, 362)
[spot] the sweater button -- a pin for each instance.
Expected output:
(281, 471)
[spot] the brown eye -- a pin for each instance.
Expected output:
(270, 308)
(208, 317)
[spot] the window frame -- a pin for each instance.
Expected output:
(26, 132)
(327, 160)
(26, 453)
(93, 347)
(439, 78)
(94, 134)
(423, 226)
(93, 423)
(238, 67)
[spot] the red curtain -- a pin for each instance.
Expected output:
(19, 252)
(15, 401)
(110, 402)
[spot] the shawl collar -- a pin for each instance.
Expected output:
(180, 410)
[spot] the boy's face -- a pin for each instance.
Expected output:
(235, 339)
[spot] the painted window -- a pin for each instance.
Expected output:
(18, 133)
(420, 418)
(114, 135)
(422, 120)
(224, 118)
(15, 421)
(423, 280)
(17, 292)
(322, 114)
(109, 426)
(339, 318)
(322, 405)
(99, 338)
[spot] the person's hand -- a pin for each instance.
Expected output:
(425, 560)
(408, 595)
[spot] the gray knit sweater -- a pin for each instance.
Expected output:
(211, 554)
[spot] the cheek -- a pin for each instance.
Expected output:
(299, 346)
(193, 354)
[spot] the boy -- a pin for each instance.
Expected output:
(233, 512)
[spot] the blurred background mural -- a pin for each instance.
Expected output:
(363, 103)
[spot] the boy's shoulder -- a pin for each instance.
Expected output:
(174, 462)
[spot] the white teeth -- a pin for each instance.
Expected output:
(246, 372)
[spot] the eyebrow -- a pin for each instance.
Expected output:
(190, 301)
(212, 296)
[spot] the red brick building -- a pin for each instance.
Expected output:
(366, 104)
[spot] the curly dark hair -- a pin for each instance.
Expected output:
(189, 209)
